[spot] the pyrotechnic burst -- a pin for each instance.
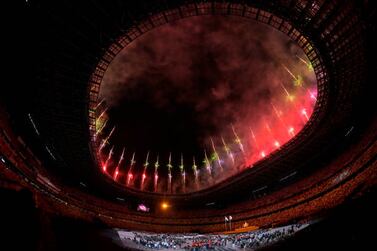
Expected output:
(216, 156)
(238, 140)
(308, 64)
(116, 173)
(170, 166)
(207, 164)
(297, 80)
(108, 159)
(227, 150)
(129, 173)
(106, 140)
(289, 96)
(156, 165)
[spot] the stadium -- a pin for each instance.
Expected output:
(190, 125)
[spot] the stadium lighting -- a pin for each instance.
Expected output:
(164, 205)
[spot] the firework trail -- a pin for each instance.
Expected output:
(254, 138)
(156, 165)
(99, 104)
(183, 173)
(207, 164)
(238, 140)
(169, 173)
(308, 64)
(195, 170)
(289, 96)
(289, 129)
(102, 114)
(217, 157)
(297, 81)
(312, 95)
(106, 140)
(108, 159)
(101, 129)
(118, 165)
(304, 112)
(144, 175)
(227, 150)
(129, 173)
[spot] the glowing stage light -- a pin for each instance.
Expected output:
(144, 176)
(262, 154)
(165, 205)
(104, 168)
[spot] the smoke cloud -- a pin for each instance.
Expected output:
(181, 84)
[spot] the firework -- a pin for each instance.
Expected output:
(118, 165)
(263, 154)
(254, 138)
(144, 176)
(238, 140)
(308, 64)
(169, 173)
(297, 81)
(194, 167)
(181, 166)
(303, 112)
(207, 164)
(99, 104)
(156, 165)
(106, 140)
(169, 165)
(101, 129)
(195, 170)
(291, 131)
(102, 114)
(289, 96)
(129, 174)
(312, 95)
(108, 159)
(183, 173)
(276, 143)
(217, 157)
(227, 150)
